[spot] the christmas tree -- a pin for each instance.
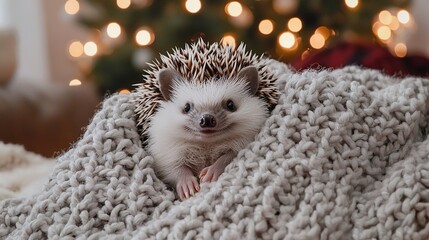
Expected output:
(128, 34)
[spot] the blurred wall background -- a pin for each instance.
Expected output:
(38, 108)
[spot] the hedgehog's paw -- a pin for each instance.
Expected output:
(211, 173)
(187, 186)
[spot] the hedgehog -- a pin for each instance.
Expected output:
(201, 61)
(206, 112)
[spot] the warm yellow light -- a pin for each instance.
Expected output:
(376, 26)
(266, 26)
(71, 7)
(145, 37)
(234, 9)
(287, 40)
(317, 41)
(228, 39)
(193, 6)
(90, 48)
(294, 24)
(400, 50)
(385, 17)
(394, 24)
(403, 16)
(124, 91)
(124, 4)
(384, 32)
(324, 31)
(75, 82)
(113, 30)
(76, 49)
(351, 3)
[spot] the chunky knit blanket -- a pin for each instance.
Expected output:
(344, 155)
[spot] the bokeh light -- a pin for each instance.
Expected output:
(287, 40)
(124, 91)
(75, 82)
(317, 41)
(123, 4)
(90, 48)
(266, 26)
(384, 33)
(400, 50)
(113, 30)
(394, 24)
(294, 24)
(234, 9)
(229, 39)
(403, 16)
(351, 3)
(385, 17)
(145, 36)
(324, 31)
(193, 6)
(76, 49)
(72, 7)
(376, 26)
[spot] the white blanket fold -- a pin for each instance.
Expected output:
(344, 155)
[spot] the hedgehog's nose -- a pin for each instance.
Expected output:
(208, 121)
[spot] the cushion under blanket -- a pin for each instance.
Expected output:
(344, 155)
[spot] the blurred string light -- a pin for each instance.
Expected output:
(145, 36)
(90, 48)
(234, 9)
(317, 41)
(287, 40)
(384, 33)
(400, 50)
(71, 7)
(385, 17)
(403, 16)
(75, 82)
(294, 24)
(124, 91)
(76, 49)
(324, 31)
(113, 30)
(394, 24)
(193, 6)
(351, 3)
(266, 26)
(388, 25)
(229, 39)
(385, 24)
(123, 4)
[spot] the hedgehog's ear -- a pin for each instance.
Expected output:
(166, 78)
(250, 75)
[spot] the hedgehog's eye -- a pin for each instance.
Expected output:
(187, 108)
(230, 105)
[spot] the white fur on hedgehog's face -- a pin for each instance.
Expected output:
(214, 111)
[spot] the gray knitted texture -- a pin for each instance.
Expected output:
(344, 155)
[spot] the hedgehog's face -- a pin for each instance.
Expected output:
(217, 109)
(208, 114)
